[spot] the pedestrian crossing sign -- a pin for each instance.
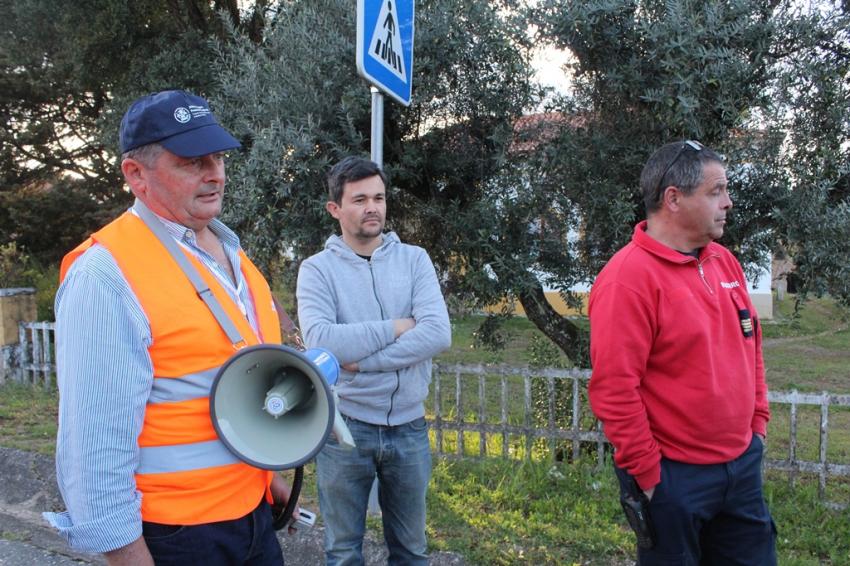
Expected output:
(385, 45)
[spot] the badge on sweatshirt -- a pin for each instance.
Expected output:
(744, 316)
(746, 322)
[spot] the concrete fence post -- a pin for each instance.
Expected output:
(16, 305)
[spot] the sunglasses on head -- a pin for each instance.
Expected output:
(689, 144)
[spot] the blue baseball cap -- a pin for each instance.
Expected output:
(181, 122)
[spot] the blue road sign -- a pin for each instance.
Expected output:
(385, 46)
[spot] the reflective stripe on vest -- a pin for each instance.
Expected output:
(184, 457)
(190, 386)
(186, 475)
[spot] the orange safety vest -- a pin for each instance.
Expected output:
(186, 475)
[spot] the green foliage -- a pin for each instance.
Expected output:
(297, 105)
(764, 82)
(50, 219)
(544, 354)
(15, 267)
(61, 70)
(18, 269)
(557, 397)
(66, 77)
(46, 283)
(815, 225)
(505, 203)
(490, 334)
(647, 73)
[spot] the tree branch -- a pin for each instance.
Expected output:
(566, 335)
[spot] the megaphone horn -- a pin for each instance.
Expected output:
(273, 407)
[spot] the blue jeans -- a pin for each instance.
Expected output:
(400, 456)
(249, 540)
(709, 514)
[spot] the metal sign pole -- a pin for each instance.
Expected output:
(377, 127)
(384, 57)
(374, 507)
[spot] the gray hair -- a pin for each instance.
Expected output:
(678, 164)
(145, 154)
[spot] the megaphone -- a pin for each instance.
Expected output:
(273, 406)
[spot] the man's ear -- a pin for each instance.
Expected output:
(134, 175)
(671, 198)
(332, 208)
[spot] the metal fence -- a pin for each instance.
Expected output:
(515, 412)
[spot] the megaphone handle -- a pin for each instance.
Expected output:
(282, 519)
(341, 431)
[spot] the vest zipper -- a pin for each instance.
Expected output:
(383, 317)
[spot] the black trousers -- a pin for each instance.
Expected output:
(248, 540)
(709, 514)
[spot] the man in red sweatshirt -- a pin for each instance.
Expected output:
(678, 378)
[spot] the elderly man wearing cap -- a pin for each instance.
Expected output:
(143, 475)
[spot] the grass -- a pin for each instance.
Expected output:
(504, 512)
(514, 511)
(518, 334)
(28, 417)
(498, 511)
(817, 316)
(508, 512)
(809, 352)
(809, 534)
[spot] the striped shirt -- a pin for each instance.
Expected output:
(105, 376)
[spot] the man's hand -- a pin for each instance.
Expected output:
(280, 494)
(402, 325)
(649, 493)
(280, 490)
(134, 554)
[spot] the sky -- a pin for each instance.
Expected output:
(548, 63)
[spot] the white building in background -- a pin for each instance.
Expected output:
(761, 293)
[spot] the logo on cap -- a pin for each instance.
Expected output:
(182, 115)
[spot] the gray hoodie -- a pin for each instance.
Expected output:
(347, 304)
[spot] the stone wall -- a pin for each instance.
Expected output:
(16, 305)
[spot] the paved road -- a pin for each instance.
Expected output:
(25, 541)
(15, 553)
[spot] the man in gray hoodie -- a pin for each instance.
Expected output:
(376, 304)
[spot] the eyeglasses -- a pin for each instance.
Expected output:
(689, 144)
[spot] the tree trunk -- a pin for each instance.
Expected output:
(566, 335)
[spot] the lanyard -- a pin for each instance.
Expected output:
(198, 283)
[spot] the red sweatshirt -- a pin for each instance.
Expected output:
(674, 372)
